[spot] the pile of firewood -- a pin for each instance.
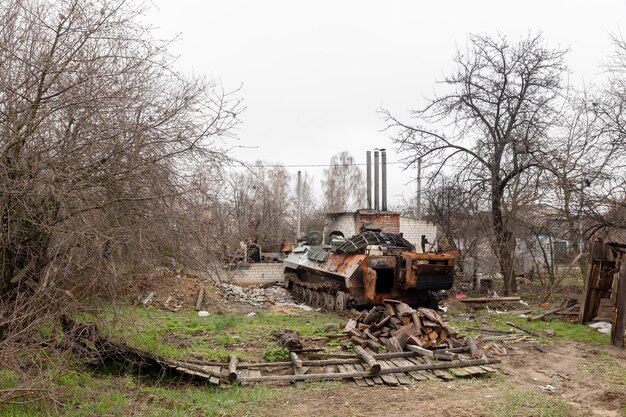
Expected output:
(398, 327)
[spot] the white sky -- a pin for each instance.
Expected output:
(314, 74)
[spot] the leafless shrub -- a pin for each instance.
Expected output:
(101, 141)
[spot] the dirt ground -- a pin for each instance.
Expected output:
(174, 292)
(571, 368)
(568, 379)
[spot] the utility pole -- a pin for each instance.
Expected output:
(298, 210)
(418, 208)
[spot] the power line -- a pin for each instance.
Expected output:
(252, 165)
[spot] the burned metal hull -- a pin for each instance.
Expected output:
(316, 275)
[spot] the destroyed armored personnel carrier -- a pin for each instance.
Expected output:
(365, 270)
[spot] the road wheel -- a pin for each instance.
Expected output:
(315, 298)
(329, 301)
(340, 301)
(296, 292)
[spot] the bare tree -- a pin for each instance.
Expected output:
(606, 199)
(258, 206)
(343, 187)
(491, 125)
(100, 140)
(311, 212)
(582, 169)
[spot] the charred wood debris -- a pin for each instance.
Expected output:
(391, 344)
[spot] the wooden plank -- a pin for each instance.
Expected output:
(359, 381)
(389, 379)
(474, 370)
(252, 373)
(460, 372)
(489, 369)
(327, 377)
(242, 373)
(360, 368)
(330, 369)
(415, 361)
(377, 380)
(585, 314)
(445, 376)
(392, 355)
(402, 378)
(417, 376)
(430, 376)
(619, 311)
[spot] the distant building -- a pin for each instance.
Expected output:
(350, 223)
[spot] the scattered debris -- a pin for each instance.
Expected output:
(547, 388)
(86, 341)
(398, 327)
(290, 340)
(203, 313)
(489, 299)
(200, 298)
(602, 327)
(331, 327)
(175, 291)
(146, 301)
(563, 309)
(258, 296)
(525, 330)
(549, 332)
(363, 368)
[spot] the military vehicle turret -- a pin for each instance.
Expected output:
(365, 270)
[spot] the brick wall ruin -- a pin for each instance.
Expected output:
(350, 223)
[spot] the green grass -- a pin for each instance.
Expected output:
(86, 394)
(528, 403)
(563, 331)
(278, 354)
(72, 390)
(611, 373)
(184, 334)
(205, 401)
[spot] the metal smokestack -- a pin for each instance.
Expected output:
(376, 207)
(369, 179)
(383, 157)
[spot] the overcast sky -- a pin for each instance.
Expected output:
(313, 74)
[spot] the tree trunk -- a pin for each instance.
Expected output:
(573, 232)
(504, 240)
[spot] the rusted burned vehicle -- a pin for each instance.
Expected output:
(365, 270)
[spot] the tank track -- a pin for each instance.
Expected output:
(327, 295)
